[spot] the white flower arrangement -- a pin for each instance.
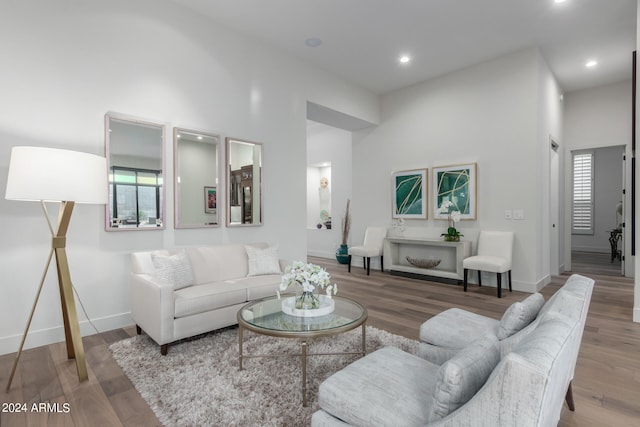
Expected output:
(308, 276)
(453, 216)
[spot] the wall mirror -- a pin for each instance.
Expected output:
(244, 182)
(195, 156)
(134, 151)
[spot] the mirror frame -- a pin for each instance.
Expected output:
(228, 141)
(176, 175)
(135, 120)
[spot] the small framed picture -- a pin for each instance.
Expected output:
(409, 190)
(456, 184)
(210, 200)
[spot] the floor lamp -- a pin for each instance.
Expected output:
(69, 177)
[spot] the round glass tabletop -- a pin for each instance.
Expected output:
(265, 316)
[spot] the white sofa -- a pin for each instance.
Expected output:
(476, 387)
(180, 293)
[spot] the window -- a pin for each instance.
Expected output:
(582, 210)
(135, 196)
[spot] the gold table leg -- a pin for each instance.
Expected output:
(240, 346)
(303, 347)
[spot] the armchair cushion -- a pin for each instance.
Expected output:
(456, 328)
(173, 269)
(365, 251)
(519, 315)
(460, 378)
(385, 388)
(492, 264)
(263, 261)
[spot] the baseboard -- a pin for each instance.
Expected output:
(328, 255)
(10, 344)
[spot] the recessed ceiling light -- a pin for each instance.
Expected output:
(404, 59)
(591, 63)
(560, 1)
(313, 42)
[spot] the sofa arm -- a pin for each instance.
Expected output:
(152, 307)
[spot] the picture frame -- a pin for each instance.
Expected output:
(458, 184)
(210, 200)
(409, 194)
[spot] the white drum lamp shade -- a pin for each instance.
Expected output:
(51, 174)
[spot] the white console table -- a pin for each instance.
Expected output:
(451, 254)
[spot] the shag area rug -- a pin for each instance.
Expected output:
(198, 382)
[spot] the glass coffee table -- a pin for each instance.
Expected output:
(265, 316)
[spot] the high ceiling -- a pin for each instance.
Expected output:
(363, 39)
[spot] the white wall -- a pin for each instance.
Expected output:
(491, 114)
(329, 144)
(599, 117)
(608, 169)
(67, 64)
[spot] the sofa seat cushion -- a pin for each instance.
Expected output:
(388, 387)
(456, 328)
(210, 296)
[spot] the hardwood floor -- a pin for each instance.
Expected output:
(606, 385)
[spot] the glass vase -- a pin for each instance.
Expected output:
(307, 301)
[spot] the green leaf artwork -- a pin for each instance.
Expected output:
(453, 185)
(409, 194)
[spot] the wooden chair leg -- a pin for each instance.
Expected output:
(569, 399)
(499, 285)
(349, 263)
(510, 290)
(464, 282)
(368, 262)
(479, 278)
(164, 348)
(138, 330)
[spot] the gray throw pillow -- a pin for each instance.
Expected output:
(460, 378)
(263, 261)
(174, 269)
(519, 315)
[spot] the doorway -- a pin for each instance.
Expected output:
(597, 232)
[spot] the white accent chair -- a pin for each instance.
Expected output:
(494, 255)
(372, 247)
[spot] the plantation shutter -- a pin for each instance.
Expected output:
(582, 212)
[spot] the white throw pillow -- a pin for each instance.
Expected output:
(263, 261)
(460, 378)
(174, 269)
(519, 315)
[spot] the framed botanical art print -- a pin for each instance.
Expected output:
(409, 190)
(210, 200)
(456, 184)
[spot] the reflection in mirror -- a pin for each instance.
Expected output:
(244, 182)
(134, 151)
(319, 196)
(196, 178)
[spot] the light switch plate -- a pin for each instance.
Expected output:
(518, 214)
(508, 214)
